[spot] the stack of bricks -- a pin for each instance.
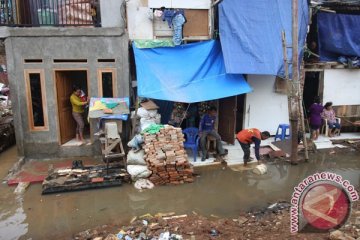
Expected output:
(166, 157)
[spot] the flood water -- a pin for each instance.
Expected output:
(217, 191)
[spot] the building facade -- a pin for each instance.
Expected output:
(87, 47)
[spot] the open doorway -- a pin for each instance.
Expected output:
(65, 81)
(311, 88)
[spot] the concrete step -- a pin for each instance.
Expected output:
(324, 144)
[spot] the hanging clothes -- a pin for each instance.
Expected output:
(175, 19)
(178, 22)
(168, 15)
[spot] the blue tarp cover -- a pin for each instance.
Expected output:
(187, 73)
(250, 34)
(339, 35)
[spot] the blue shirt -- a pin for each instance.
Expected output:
(168, 15)
(207, 123)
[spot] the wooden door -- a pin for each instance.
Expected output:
(66, 122)
(227, 119)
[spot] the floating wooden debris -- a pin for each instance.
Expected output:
(74, 179)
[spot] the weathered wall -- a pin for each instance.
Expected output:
(112, 13)
(265, 109)
(49, 44)
(342, 86)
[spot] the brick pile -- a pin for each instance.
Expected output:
(166, 157)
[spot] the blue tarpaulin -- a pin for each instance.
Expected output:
(187, 73)
(339, 35)
(250, 34)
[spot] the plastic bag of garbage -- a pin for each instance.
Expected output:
(136, 158)
(164, 236)
(157, 118)
(136, 142)
(138, 171)
(260, 169)
(146, 122)
(142, 113)
(143, 184)
(152, 113)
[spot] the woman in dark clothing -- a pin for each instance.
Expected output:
(315, 118)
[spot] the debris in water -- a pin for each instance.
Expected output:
(165, 214)
(175, 217)
(21, 187)
(133, 219)
(214, 233)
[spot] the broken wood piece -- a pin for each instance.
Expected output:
(175, 217)
(277, 154)
(21, 187)
(275, 148)
(164, 214)
(98, 179)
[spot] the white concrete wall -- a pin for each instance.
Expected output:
(186, 4)
(111, 13)
(140, 26)
(342, 86)
(265, 109)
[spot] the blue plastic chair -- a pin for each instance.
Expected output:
(192, 140)
(281, 132)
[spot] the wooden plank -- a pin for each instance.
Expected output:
(273, 147)
(197, 23)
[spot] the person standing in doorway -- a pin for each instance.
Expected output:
(78, 111)
(248, 136)
(207, 128)
(315, 118)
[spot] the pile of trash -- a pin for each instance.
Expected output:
(7, 130)
(5, 103)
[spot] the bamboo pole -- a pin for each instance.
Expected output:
(286, 68)
(294, 95)
(133, 122)
(301, 109)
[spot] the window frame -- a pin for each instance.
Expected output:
(32, 126)
(114, 81)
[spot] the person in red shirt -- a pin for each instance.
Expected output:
(249, 136)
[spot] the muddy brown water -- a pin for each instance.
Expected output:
(217, 191)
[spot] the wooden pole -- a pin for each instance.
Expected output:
(294, 103)
(302, 119)
(286, 68)
(133, 122)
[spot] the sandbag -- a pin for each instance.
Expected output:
(138, 172)
(157, 118)
(136, 158)
(142, 112)
(152, 113)
(136, 141)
